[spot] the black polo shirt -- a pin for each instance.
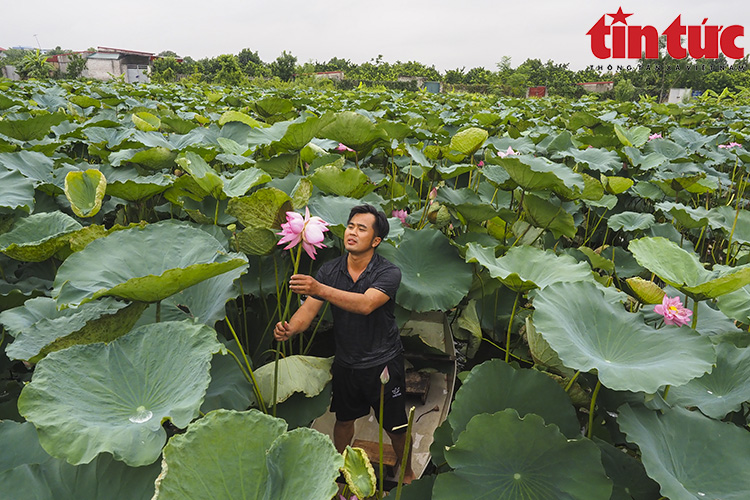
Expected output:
(364, 341)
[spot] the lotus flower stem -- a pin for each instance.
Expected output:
(158, 311)
(380, 443)
(405, 458)
(572, 380)
(315, 330)
(256, 389)
(590, 431)
(695, 314)
(505, 350)
(510, 327)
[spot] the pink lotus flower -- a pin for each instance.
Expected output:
(480, 164)
(307, 230)
(385, 376)
(673, 311)
(509, 152)
(401, 214)
(344, 147)
(433, 194)
(654, 136)
(730, 145)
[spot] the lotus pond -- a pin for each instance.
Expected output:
(140, 276)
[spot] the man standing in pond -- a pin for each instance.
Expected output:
(361, 287)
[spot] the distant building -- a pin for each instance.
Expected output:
(679, 95)
(61, 61)
(540, 91)
(597, 87)
(107, 63)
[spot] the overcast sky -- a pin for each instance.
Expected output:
(445, 33)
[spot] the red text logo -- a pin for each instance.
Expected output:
(622, 41)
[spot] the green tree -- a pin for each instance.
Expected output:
(229, 72)
(251, 63)
(454, 76)
(478, 76)
(34, 65)
(624, 90)
(284, 65)
(76, 65)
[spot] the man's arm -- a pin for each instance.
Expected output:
(300, 321)
(358, 303)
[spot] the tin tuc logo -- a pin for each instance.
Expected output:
(620, 40)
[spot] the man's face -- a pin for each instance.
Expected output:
(359, 236)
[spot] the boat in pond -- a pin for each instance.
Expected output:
(430, 381)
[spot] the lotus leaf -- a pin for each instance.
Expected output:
(143, 264)
(731, 221)
(301, 194)
(597, 159)
(525, 268)
(272, 105)
(307, 374)
(236, 116)
(89, 399)
(647, 292)
(549, 216)
(631, 221)
(588, 332)
(16, 191)
(495, 385)
(694, 467)
(542, 353)
(721, 391)
(616, 185)
(266, 208)
(20, 446)
(100, 321)
(209, 461)
(229, 389)
(279, 166)
(687, 217)
(205, 176)
(85, 191)
(58, 480)
(644, 162)
(468, 140)
(354, 130)
(636, 136)
(38, 237)
(245, 180)
(504, 456)
(627, 474)
(736, 305)
(300, 133)
(156, 158)
(30, 129)
(358, 471)
(684, 271)
(126, 183)
(351, 182)
(444, 273)
(145, 121)
(539, 173)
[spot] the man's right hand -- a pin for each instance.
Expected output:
(282, 331)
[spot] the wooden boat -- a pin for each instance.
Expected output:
(430, 380)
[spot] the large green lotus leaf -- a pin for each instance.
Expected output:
(588, 332)
(334, 210)
(145, 121)
(155, 158)
(736, 305)
(724, 218)
(504, 456)
(245, 180)
(58, 480)
(272, 105)
(85, 191)
(128, 184)
(231, 455)
(644, 162)
(229, 389)
(468, 140)
(279, 166)
(354, 130)
(468, 203)
(636, 136)
(95, 398)
(538, 173)
(684, 271)
(495, 385)
(20, 446)
(266, 208)
(204, 175)
(550, 216)
(525, 268)
(204, 302)
(627, 474)
(686, 452)
(300, 133)
(542, 353)
(236, 116)
(37, 167)
(16, 191)
(721, 391)
(597, 159)
(631, 221)
(31, 129)
(687, 217)
(257, 241)
(306, 374)
(143, 264)
(332, 180)
(38, 237)
(428, 262)
(99, 321)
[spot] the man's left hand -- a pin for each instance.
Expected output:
(304, 284)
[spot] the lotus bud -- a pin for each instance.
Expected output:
(385, 376)
(232, 227)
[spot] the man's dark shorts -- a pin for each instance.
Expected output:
(356, 391)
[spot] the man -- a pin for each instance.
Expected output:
(361, 288)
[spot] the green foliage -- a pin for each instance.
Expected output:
(34, 65)
(284, 66)
(76, 65)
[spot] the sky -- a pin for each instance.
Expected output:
(446, 34)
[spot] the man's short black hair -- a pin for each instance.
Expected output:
(381, 221)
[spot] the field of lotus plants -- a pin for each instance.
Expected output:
(593, 258)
